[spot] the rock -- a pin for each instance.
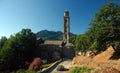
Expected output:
(60, 68)
(104, 56)
(36, 64)
(90, 53)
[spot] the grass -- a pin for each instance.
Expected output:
(81, 70)
(23, 71)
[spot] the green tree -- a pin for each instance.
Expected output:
(18, 49)
(82, 43)
(2, 41)
(105, 27)
(72, 40)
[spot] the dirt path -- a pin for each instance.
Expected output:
(66, 63)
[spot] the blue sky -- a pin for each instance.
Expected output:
(47, 14)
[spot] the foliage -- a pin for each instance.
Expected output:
(82, 43)
(105, 27)
(36, 64)
(40, 41)
(81, 70)
(72, 40)
(18, 49)
(2, 41)
(104, 30)
(93, 47)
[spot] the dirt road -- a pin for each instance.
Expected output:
(66, 63)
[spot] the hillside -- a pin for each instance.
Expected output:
(51, 35)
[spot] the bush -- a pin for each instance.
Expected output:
(81, 69)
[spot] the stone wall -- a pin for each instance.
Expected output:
(69, 52)
(55, 52)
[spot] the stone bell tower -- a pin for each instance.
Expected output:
(66, 27)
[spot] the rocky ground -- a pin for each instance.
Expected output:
(102, 63)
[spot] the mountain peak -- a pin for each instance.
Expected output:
(51, 35)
